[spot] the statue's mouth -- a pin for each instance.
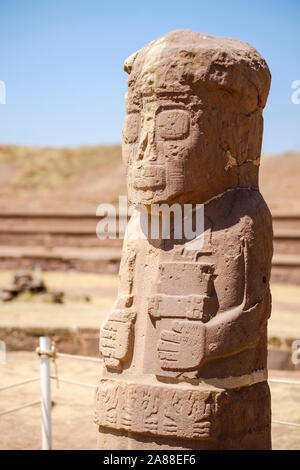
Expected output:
(151, 177)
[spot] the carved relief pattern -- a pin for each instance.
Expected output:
(186, 414)
(157, 410)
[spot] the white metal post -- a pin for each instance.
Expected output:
(45, 394)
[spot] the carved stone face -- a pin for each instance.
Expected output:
(160, 140)
(194, 118)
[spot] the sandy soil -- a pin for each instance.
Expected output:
(72, 413)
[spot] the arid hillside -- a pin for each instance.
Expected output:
(67, 180)
(280, 181)
(59, 180)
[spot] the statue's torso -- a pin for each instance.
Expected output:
(172, 285)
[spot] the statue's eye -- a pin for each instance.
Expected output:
(173, 124)
(131, 128)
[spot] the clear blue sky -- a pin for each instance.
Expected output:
(62, 62)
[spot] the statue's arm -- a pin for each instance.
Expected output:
(117, 331)
(236, 329)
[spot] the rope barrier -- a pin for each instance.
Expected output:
(17, 384)
(73, 382)
(81, 358)
(35, 379)
(286, 423)
(20, 407)
(94, 359)
(285, 381)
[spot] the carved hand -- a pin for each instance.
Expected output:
(183, 347)
(116, 338)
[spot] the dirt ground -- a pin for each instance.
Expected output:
(72, 413)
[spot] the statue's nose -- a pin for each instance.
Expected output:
(145, 149)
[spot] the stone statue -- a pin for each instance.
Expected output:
(185, 344)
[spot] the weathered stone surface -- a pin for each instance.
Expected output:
(185, 343)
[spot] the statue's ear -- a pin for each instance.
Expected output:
(128, 64)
